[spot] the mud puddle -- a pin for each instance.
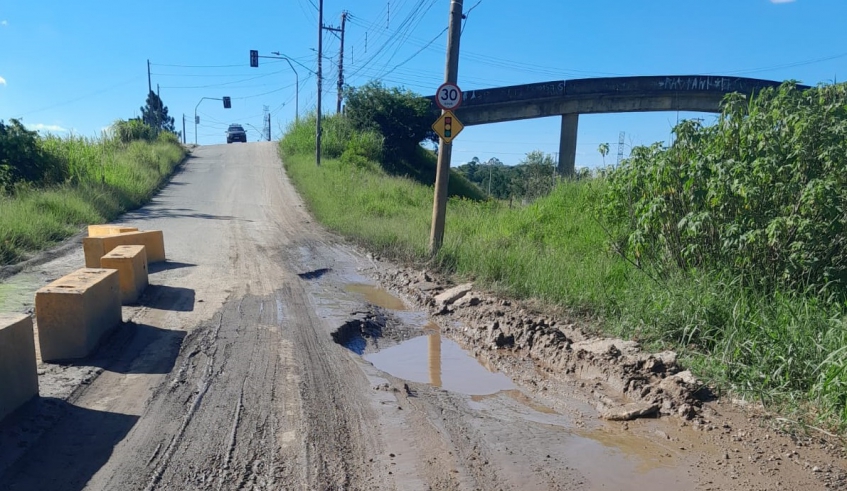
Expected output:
(376, 296)
(442, 363)
(614, 459)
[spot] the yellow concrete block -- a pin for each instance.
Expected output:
(102, 230)
(131, 263)
(75, 311)
(97, 247)
(18, 373)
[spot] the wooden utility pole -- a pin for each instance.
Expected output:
(341, 64)
(149, 83)
(320, 80)
(445, 150)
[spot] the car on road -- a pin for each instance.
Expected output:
(236, 133)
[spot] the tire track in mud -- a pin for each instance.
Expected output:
(225, 397)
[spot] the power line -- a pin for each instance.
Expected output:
(414, 55)
(86, 96)
(224, 83)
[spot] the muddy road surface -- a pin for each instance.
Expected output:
(267, 354)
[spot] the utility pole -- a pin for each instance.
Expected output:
(320, 80)
(149, 83)
(621, 142)
(340, 58)
(269, 126)
(183, 128)
(445, 150)
(341, 64)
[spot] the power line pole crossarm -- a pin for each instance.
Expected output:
(445, 150)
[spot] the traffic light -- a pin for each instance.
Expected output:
(448, 127)
(196, 119)
(227, 103)
(254, 58)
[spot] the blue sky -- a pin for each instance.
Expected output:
(78, 66)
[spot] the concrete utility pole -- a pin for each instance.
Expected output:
(320, 80)
(341, 64)
(183, 128)
(445, 150)
(149, 83)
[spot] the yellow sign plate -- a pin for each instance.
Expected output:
(447, 126)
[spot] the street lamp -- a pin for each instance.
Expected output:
(195, 113)
(297, 86)
(254, 62)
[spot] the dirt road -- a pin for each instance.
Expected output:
(263, 357)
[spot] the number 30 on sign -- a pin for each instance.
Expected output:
(448, 97)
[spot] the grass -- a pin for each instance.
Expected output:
(106, 179)
(787, 351)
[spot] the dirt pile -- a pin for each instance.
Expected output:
(627, 383)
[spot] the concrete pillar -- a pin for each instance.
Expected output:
(567, 145)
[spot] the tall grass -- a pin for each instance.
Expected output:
(785, 350)
(106, 178)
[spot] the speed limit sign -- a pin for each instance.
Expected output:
(448, 97)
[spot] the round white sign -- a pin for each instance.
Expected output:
(448, 97)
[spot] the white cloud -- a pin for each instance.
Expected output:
(52, 128)
(2, 81)
(782, 1)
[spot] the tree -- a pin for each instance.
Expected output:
(604, 150)
(539, 174)
(401, 116)
(155, 114)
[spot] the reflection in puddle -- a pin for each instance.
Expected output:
(377, 296)
(440, 362)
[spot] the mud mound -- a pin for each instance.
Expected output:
(626, 382)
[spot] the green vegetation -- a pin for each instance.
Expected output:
(50, 186)
(744, 224)
(364, 149)
(532, 178)
(727, 246)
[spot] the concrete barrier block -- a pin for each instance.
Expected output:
(131, 263)
(75, 311)
(18, 372)
(103, 230)
(97, 247)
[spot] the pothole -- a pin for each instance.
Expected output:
(372, 330)
(434, 360)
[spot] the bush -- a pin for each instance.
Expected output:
(23, 158)
(401, 116)
(133, 129)
(762, 193)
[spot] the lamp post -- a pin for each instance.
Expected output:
(195, 114)
(254, 62)
(296, 86)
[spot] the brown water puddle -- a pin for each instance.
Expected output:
(612, 458)
(433, 360)
(376, 296)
